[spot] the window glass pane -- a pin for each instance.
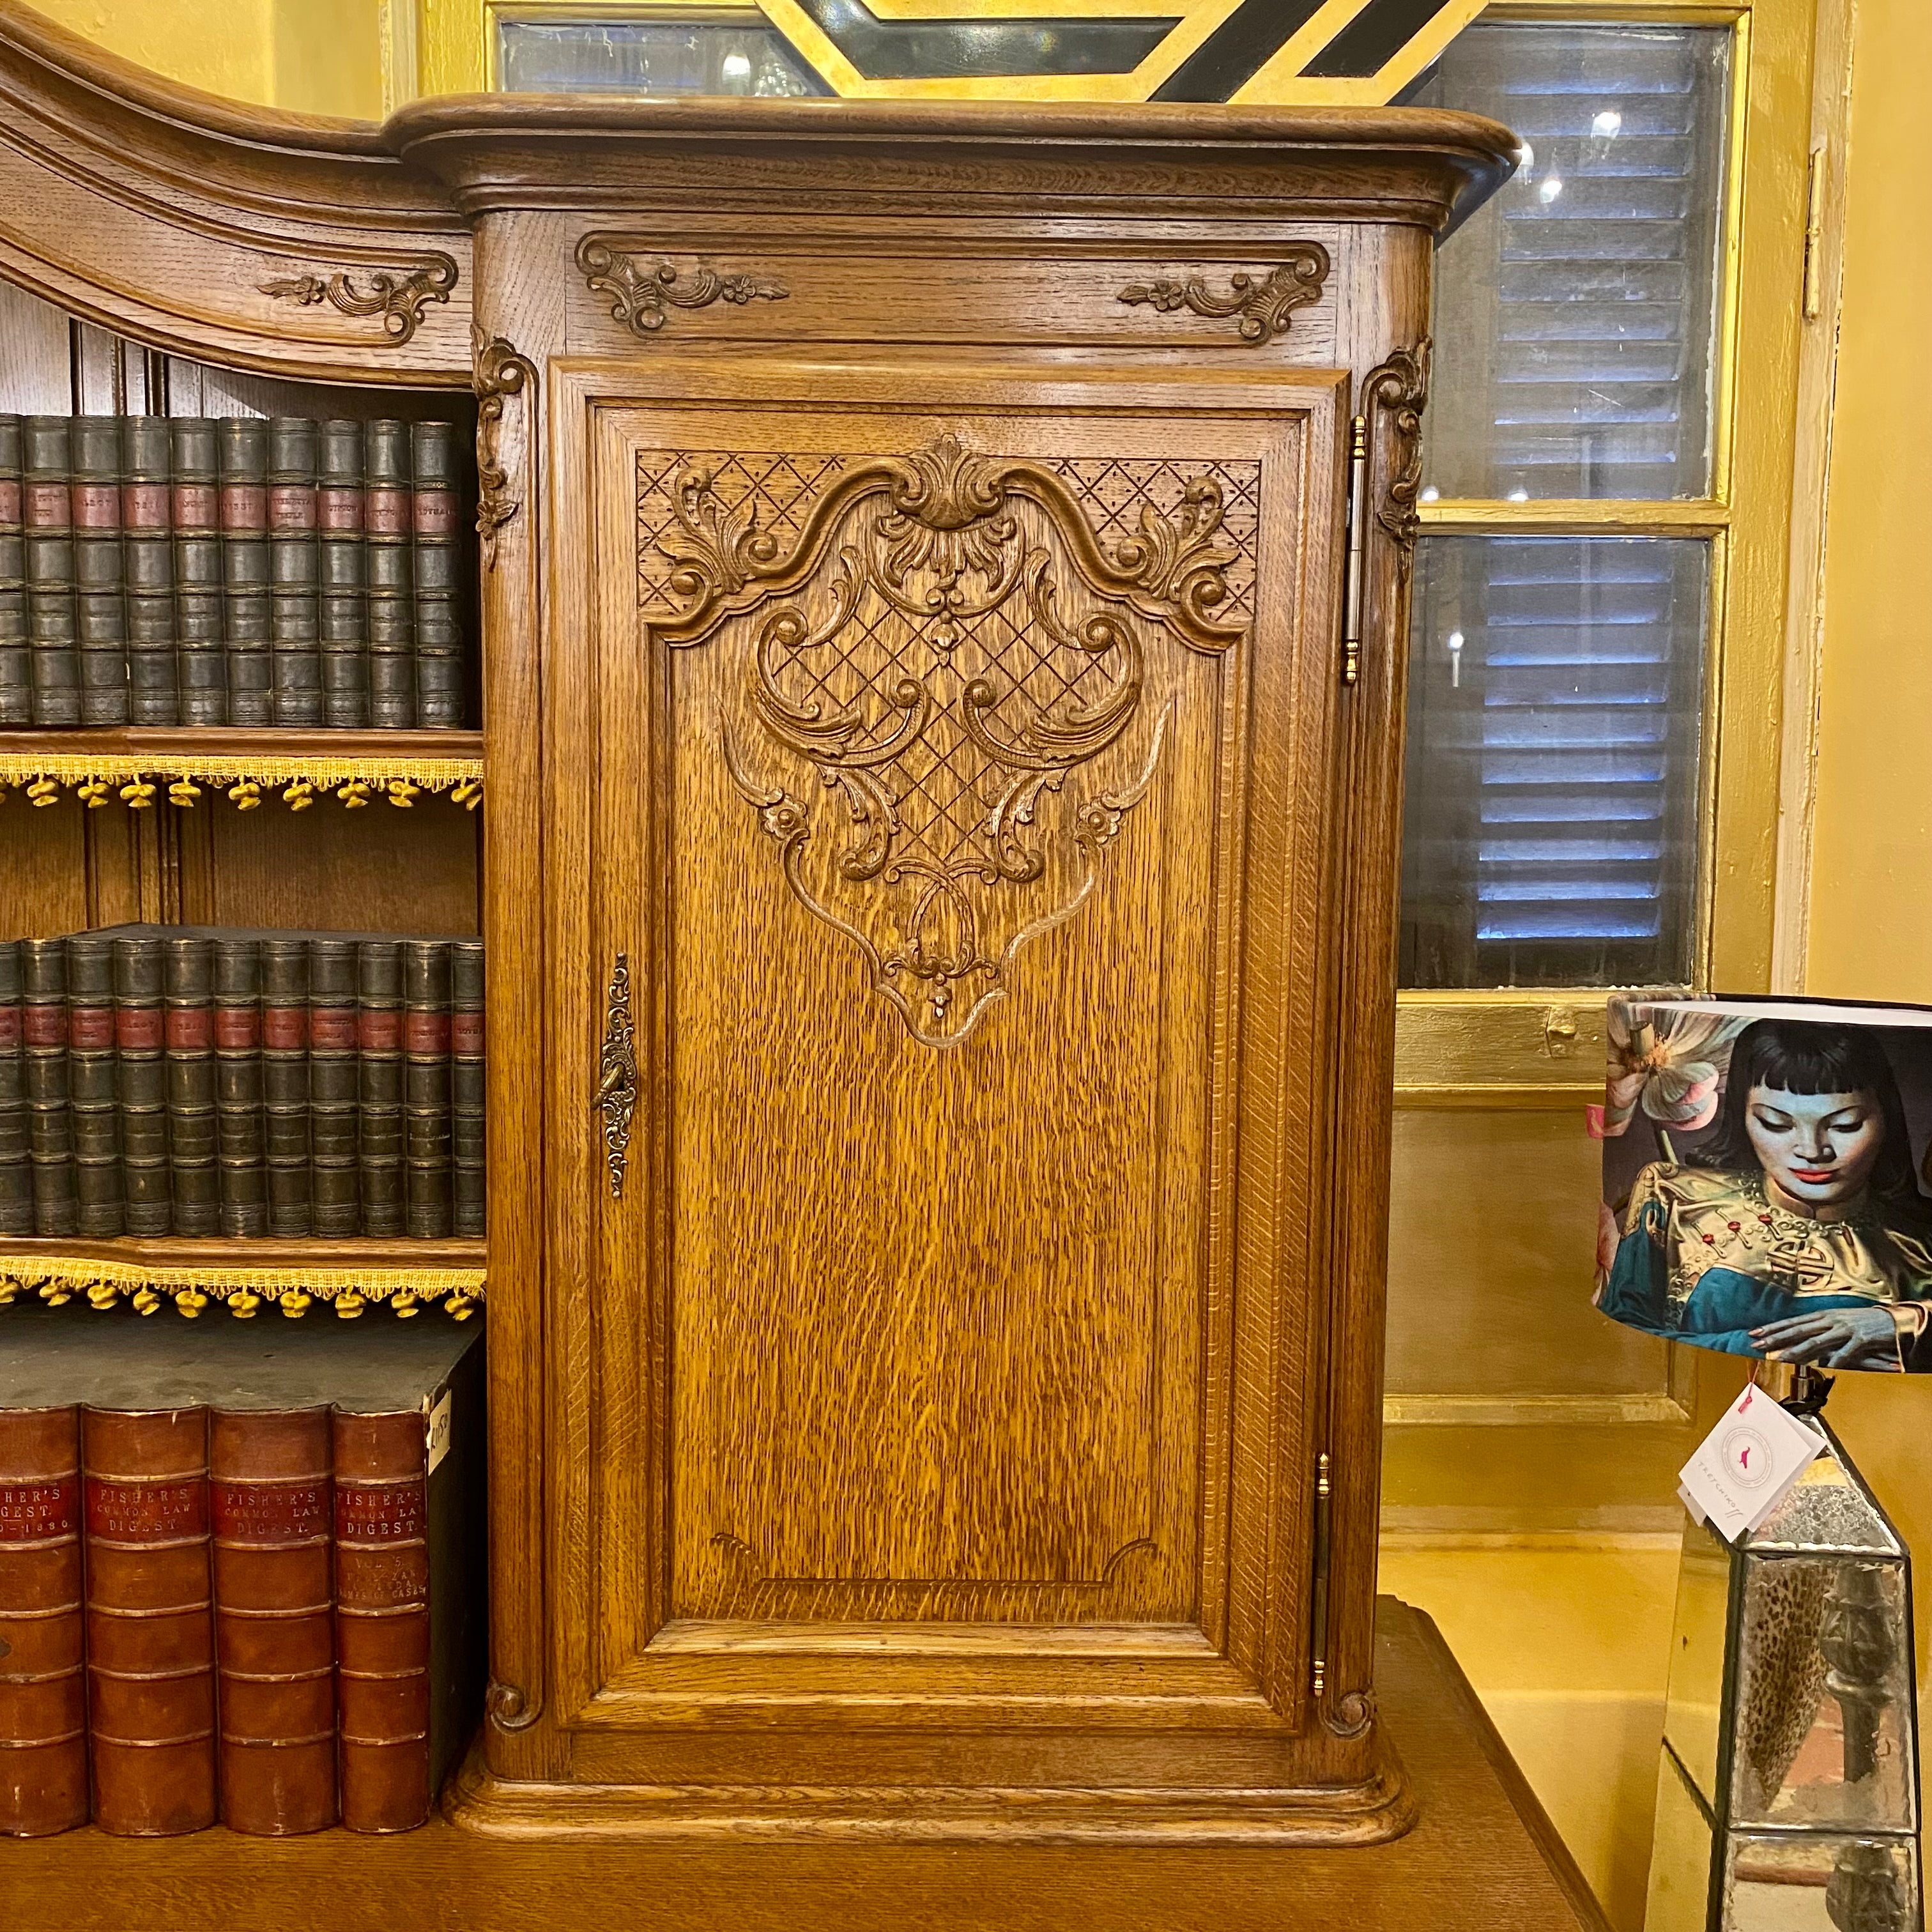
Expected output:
(1554, 712)
(1575, 313)
(649, 57)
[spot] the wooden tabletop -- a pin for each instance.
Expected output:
(1484, 1854)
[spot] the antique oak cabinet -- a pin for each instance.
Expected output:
(943, 574)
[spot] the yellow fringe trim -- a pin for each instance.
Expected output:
(246, 1291)
(136, 781)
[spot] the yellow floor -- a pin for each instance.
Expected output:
(1568, 1643)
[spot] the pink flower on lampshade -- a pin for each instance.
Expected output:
(1670, 1064)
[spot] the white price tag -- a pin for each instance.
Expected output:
(1742, 1469)
(439, 1432)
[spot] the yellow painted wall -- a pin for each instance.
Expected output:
(316, 56)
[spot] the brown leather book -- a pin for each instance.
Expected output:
(43, 1692)
(150, 1625)
(382, 1618)
(275, 1632)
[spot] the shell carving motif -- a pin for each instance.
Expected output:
(942, 723)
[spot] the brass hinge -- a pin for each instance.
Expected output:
(1319, 1609)
(1352, 583)
(1814, 237)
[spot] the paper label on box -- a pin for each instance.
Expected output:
(439, 1432)
(1741, 1470)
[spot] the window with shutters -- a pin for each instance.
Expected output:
(1558, 680)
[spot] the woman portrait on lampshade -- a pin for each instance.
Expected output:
(1785, 1220)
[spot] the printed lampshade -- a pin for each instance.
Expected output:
(1768, 1179)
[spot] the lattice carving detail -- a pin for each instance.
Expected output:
(942, 720)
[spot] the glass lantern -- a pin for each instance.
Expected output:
(1788, 1790)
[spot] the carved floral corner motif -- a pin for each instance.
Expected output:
(936, 652)
(643, 292)
(398, 295)
(500, 373)
(1398, 390)
(1264, 303)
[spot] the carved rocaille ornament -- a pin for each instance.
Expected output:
(500, 373)
(398, 295)
(643, 292)
(1264, 304)
(941, 644)
(1398, 390)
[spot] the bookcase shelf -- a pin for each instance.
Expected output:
(248, 1276)
(139, 765)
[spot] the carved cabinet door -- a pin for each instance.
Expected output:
(941, 1153)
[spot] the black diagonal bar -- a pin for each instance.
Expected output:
(931, 50)
(1372, 39)
(1233, 53)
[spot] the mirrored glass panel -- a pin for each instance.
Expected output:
(729, 55)
(1820, 1884)
(1575, 311)
(1554, 706)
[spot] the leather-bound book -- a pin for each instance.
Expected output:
(148, 556)
(344, 607)
(388, 548)
(240, 1133)
(438, 605)
(93, 1085)
(382, 1618)
(285, 1104)
(16, 656)
(47, 548)
(141, 1081)
(43, 1691)
(294, 572)
(426, 1123)
(242, 442)
(16, 1167)
(44, 1058)
(100, 588)
(379, 1123)
(188, 969)
(150, 1624)
(275, 1634)
(201, 664)
(334, 1157)
(467, 1138)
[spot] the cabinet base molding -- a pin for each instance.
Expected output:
(1381, 1808)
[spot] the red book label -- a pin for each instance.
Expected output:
(292, 507)
(284, 1029)
(97, 506)
(10, 1028)
(90, 1028)
(386, 512)
(369, 1512)
(10, 499)
(466, 1035)
(425, 1033)
(379, 1029)
(339, 509)
(436, 513)
(31, 1510)
(46, 1026)
(196, 506)
(128, 1512)
(144, 506)
(270, 1512)
(331, 1029)
(237, 1028)
(191, 1029)
(137, 1029)
(46, 506)
(245, 506)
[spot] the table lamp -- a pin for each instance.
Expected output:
(1768, 1193)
